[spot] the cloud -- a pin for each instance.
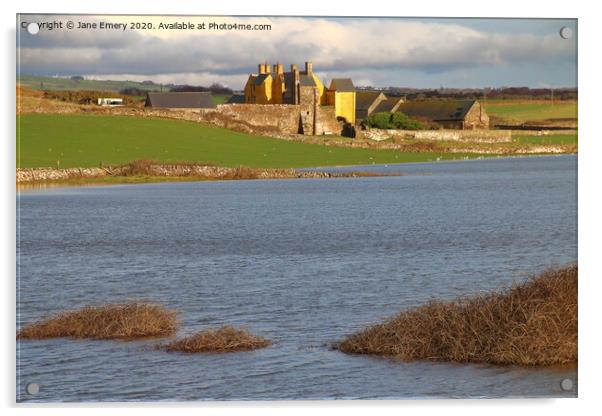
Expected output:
(334, 45)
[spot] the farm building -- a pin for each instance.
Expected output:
(370, 102)
(451, 114)
(195, 100)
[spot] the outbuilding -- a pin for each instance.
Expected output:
(190, 100)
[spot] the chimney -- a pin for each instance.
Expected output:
(279, 69)
(308, 68)
(261, 69)
(294, 68)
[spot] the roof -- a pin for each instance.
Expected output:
(179, 100)
(236, 99)
(307, 81)
(260, 78)
(437, 110)
(388, 105)
(342, 85)
(365, 99)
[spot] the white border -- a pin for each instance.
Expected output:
(589, 196)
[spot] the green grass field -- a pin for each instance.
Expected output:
(526, 111)
(89, 140)
(551, 139)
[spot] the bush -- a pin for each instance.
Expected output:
(113, 321)
(392, 121)
(224, 339)
(533, 323)
(403, 122)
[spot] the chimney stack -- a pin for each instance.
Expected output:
(308, 68)
(279, 69)
(261, 69)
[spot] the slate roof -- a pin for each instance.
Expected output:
(388, 105)
(260, 78)
(236, 99)
(437, 110)
(364, 99)
(307, 81)
(179, 100)
(342, 85)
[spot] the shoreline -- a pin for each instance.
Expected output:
(185, 172)
(143, 171)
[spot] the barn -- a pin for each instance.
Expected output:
(194, 100)
(450, 114)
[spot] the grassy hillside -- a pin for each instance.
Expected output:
(527, 110)
(60, 84)
(88, 140)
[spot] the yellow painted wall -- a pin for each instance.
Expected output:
(344, 105)
(321, 89)
(263, 92)
(277, 89)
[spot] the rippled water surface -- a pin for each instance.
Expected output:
(302, 262)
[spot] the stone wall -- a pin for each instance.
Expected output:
(483, 136)
(282, 118)
(273, 119)
(326, 121)
(476, 118)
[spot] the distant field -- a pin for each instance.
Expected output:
(59, 84)
(551, 139)
(220, 98)
(526, 111)
(88, 140)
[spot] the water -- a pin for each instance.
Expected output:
(302, 262)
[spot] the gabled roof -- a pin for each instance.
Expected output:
(259, 79)
(365, 99)
(236, 99)
(387, 106)
(179, 100)
(307, 81)
(342, 85)
(437, 110)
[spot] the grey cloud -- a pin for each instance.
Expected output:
(341, 45)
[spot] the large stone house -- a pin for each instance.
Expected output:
(271, 85)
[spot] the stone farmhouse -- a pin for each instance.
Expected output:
(450, 114)
(271, 85)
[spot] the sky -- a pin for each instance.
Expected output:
(379, 52)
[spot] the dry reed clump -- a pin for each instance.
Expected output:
(224, 339)
(533, 323)
(113, 321)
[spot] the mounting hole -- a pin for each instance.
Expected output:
(33, 28)
(32, 388)
(566, 32)
(566, 384)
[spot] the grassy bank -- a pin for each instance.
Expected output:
(533, 323)
(550, 139)
(114, 321)
(51, 140)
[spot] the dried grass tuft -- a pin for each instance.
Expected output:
(529, 324)
(224, 339)
(113, 321)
